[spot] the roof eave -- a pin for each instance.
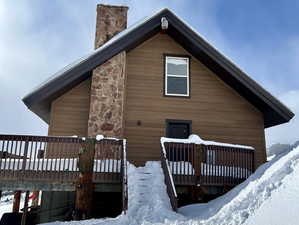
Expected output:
(274, 111)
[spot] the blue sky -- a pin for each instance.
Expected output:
(40, 37)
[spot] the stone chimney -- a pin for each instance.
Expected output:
(108, 80)
(110, 21)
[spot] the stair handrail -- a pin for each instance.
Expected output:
(168, 179)
(124, 174)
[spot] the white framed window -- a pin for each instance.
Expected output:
(177, 76)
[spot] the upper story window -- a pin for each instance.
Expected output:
(177, 76)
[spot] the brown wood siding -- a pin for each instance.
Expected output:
(69, 112)
(217, 112)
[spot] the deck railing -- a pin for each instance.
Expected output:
(54, 159)
(193, 164)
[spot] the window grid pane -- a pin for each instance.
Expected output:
(177, 82)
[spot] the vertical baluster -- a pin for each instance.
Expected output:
(11, 157)
(188, 161)
(105, 157)
(73, 151)
(52, 155)
(221, 164)
(15, 156)
(95, 161)
(240, 162)
(46, 163)
(20, 160)
(227, 158)
(59, 158)
(231, 165)
(79, 143)
(43, 162)
(25, 155)
(242, 167)
(180, 161)
(6, 162)
(40, 156)
(175, 158)
(66, 149)
(183, 162)
(30, 170)
(2, 165)
(247, 164)
(111, 146)
(34, 158)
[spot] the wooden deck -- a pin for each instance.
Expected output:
(30, 163)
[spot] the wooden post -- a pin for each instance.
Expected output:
(85, 187)
(24, 216)
(16, 201)
(35, 201)
(25, 156)
(198, 161)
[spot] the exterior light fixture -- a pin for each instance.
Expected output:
(164, 23)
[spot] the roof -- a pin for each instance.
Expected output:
(39, 100)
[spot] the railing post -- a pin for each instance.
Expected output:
(24, 216)
(25, 155)
(16, 201)
(84, 186)
(197, 162)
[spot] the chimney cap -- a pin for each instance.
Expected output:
(113, 6)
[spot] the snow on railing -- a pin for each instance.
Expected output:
(195, 139)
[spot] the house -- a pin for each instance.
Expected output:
(156, 78)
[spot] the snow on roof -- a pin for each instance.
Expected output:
(195, 139)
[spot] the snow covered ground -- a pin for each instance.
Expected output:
(6, 203)
(270, 196)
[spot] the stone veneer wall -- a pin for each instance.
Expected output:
(108, 80)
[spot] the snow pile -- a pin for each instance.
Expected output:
(6, 204)
(195, 139)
